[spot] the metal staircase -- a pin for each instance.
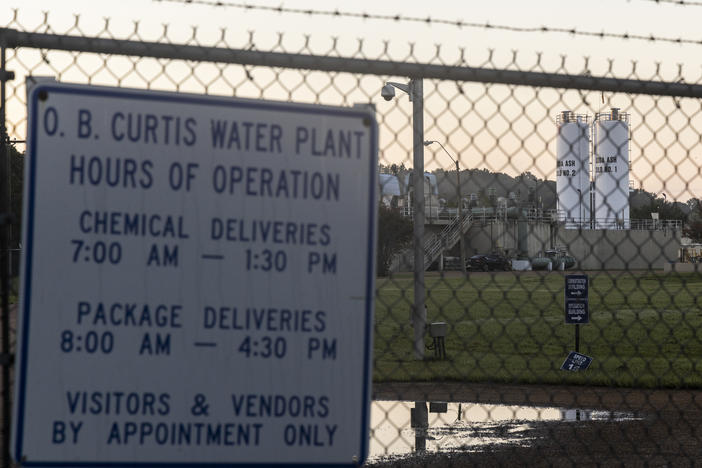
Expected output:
(446, 239)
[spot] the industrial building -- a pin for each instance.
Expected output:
(591, 220)
(592, 174)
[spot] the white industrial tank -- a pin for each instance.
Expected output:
(573, 170)
(611, 170)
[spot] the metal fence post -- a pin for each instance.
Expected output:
(5, 224)
(419, 318)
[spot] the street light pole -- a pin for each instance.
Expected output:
(415, 90)
(459, 201)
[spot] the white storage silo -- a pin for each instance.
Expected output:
(573, 170)
(611, 170)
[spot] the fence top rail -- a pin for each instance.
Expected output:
(13, 38)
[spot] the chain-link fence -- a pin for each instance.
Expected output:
(539, 180)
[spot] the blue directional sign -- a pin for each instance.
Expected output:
(576, 311)
(576, 362)
(576, 286)
(576, 299)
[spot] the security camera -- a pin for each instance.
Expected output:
(388, 92)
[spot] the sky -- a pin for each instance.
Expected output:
(674, 170)
(617, 16)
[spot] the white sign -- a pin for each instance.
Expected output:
(197, 282)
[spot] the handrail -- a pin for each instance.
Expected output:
(447, 238)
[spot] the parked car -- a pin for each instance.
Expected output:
(489, 262)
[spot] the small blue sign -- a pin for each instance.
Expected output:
(577, 311)
(576, 362)
(576, 286)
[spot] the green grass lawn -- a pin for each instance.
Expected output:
(645, 329)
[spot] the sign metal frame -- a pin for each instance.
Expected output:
(29, 261)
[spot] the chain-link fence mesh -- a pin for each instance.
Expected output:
(517, 195)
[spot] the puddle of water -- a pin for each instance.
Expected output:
(399, 428)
